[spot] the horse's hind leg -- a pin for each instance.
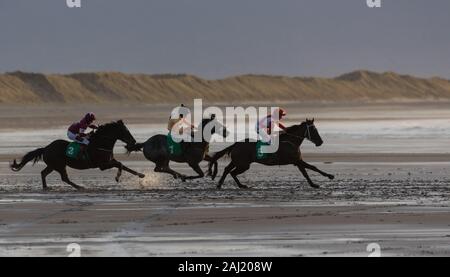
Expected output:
(305, 174)
(65, 178)
(236, 172)
(216, 168)
(44, 175)
(226, 171)
(198, 170)
(313, 168)
(167, 169)
(212, 170)
(210, 165)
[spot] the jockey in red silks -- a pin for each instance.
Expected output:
(76, 130)
(265, 126)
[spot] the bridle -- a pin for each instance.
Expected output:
(107, 138)
(307, 134)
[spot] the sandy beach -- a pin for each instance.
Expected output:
(364, 86)
(397, 197)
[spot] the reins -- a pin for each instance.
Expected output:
(307, 134)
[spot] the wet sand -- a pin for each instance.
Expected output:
(404, 207)
(397, 199)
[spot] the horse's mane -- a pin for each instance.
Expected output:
(202, 124)
(294, 127)
(105, 127)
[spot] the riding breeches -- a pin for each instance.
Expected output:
(76, 138)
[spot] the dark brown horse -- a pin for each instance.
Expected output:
(244, 153)
(100, 153)
(156, 150)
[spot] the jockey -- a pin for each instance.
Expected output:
(265, 126)
(76, 130)
(179, 125)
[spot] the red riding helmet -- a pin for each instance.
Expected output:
(280, 112)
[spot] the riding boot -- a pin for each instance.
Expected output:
(82, 151)
(183, 146)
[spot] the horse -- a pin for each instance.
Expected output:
(213, 166)
(156, 150)
(99, 151)
(244, 153)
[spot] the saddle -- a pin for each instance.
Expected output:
(174, 147)
(260, 155)
(73, 152)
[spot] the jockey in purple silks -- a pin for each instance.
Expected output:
(76, 131)
(265, 126)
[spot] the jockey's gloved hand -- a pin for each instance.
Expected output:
(93, 127)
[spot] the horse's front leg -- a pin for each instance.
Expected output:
(305, 174)
(198, 170)
(121, 167)
(119, 174)
(313, 168)
(110, 165)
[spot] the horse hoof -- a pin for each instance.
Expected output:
(141, 176)
(45, 189)
(81, 188)
(314, 186)
(219, 187)
(331, 177)
(243, 187)
(117, 180)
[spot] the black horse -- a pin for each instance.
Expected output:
(244, 153)
(156, 150)
(100, 153)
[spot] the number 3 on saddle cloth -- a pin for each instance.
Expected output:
(73, 152)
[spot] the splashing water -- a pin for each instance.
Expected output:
(151, 180)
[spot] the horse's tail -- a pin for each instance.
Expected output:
(35, 155)
(134, 148)
(214, 158)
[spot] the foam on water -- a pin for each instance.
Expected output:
(430, 135)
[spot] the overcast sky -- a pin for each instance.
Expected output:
(220, 38)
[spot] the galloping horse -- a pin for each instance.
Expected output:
(100, 153)
(156, 150)
(244, 153)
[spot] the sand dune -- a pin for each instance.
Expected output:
(24, 88)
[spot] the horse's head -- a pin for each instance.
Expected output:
(211, 126)
(311, 132)
(108, 134)
(306, 130)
